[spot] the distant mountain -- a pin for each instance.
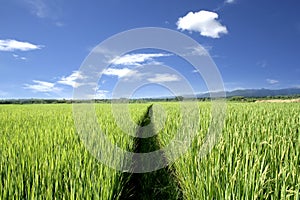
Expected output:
(257, 92)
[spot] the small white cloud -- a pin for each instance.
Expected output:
(19, 57)
(199, 50)
(101, 94)
(272, 81)
(14, 45)
(42, 86)
(72, 80)
(229, 1)
(136, 59)
(120, 73)
(204, 22)
(160, 78)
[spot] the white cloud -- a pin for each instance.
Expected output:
(204, 22)
(42, 86)
(101, 94)
(229, 1)
(121, 73)
(272, 81)
(72, 80)
(38, 7)
(136, 59)
(45, 8)
(19, 57)
(199, 50)
(14, 45)
(160, 78)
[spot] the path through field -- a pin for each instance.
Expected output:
(160, 184)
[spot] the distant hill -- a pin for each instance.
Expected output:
(258, 93)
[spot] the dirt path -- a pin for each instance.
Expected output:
(160, 184)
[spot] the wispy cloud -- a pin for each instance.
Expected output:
(262, 63)
(14, 45)
(101, 94)
(121, 73)
(17, 57)
(272, 81)
(72, 80)
(229, 1)
(138, 73)
(53, 87)
(38, 7)
(137, 59)
(44, 8)
(42, 86)
(204, 22)
(160, 78)
(199, 50)
(59, 24)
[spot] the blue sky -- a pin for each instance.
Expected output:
(255, 44)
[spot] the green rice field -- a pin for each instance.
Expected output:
(256, 157)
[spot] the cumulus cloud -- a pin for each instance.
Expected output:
(14, 45)
(160, 78)
(42, 86)
(72, 80)
(204, 22)
(137, 59)
(272, 81)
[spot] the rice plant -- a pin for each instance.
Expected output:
(42, 155)
(257, 156)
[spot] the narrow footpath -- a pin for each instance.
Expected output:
(160, 184)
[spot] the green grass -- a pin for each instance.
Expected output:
(256, 157)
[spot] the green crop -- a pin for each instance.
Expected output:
(42, 157)
(257, 155)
